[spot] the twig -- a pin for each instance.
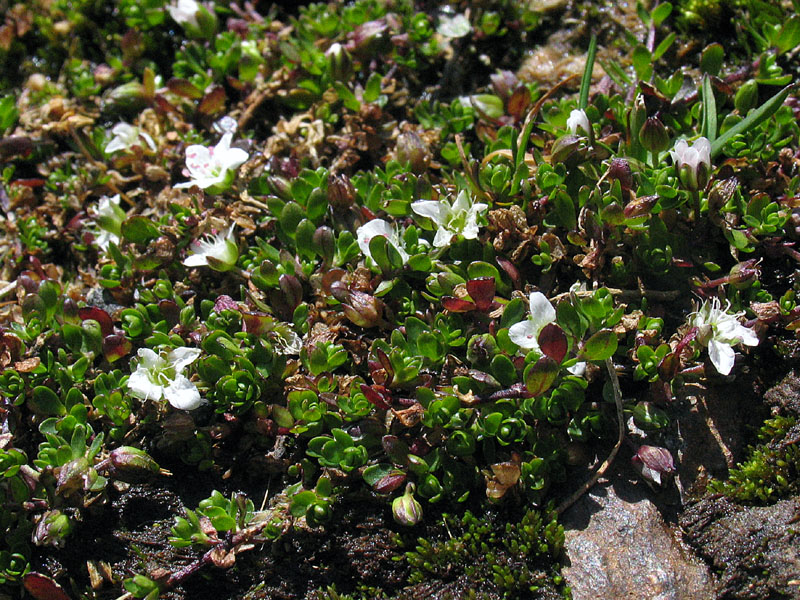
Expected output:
(625, 294)
(612, 373)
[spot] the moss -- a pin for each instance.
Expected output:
(771, 471)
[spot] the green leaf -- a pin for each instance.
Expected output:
(711, 59)
(753, 119)
(663, 46)
(347, 97)
(789, 37)
(503, 369)
(304, 239)
(44, 401)
(642, 62)
(709, 110)
(290, 218)
(301, 502)
(661, 12)
(514, 312)
(139, 230)
(220, 519)
(373, 87)
(600, 346)
(540, 376)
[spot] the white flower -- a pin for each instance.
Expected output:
(126, 137)
(453, 27)
(184, 12)
(376, 227)
(156, 378)
(526, 333)
(459, 219)
(578, 120)
(720, 331)
(211, 169)
(693, 163)
(108, 217)
(218, 251)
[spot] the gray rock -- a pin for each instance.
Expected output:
(618, 546)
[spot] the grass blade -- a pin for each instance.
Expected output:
(583, 101)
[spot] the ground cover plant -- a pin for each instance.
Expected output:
(293, 272)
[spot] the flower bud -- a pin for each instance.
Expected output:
(653, 135)
(363, 309)
(620, 169)
(128, 97)
(746, 97)
(280, 187)
(52, 529)
(693, 163)
(412, 151)
(341, 193)
(504, 84)
(325, 242)
(637, 116)
(132, 464)
(743, 274)
(653, 462)
(339, 62)
(369, 39)
(406, 510)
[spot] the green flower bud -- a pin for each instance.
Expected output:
(52, 529)
(653, 135)
(339, 62)
(406, 510)
(132, 464)
(746, 97)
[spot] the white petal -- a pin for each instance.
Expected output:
(140, 386)
(195, 260)
(703, 148)
(525, 334)
(115, 145)
(578, 369)
(198, 161)
(433, 209)
(150, 360)
(722, 356)
(463, 202)
(233, 158)
(541, 309)
(747, 336)
(180, 358)
(149, 140)
(183, 394)
(442, 238)
(369, 230)
(204, 182)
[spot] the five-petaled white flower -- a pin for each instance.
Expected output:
(525, 334)
(218, 251)
(127, 136)
(720, 331)
(454, 26)
(184, 12)
(377, 227)
(459, 219)
(109, 217)
(156, 378)
(578, 120)
(693, 163)
(212, 169)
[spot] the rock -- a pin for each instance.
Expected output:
(618, 546)
(756, 550)
(784, 398)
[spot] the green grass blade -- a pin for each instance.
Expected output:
(583, 102)
(756, 117)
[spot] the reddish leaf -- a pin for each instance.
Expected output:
(12, 146)
(481, 289)
(164, 105)
(553, 342)
(170, 311)
(511, 270)
(385, 363)
(519, 102)
(33, 182)
(457, 304)
(395, 448)
(257, 323)
(99, 315)
(213, 102)
(43, 587)
(390, 482)
(374, 397)
(668, 367)
(115, 346)
(600, 346)
(540, 376)
(185, 88)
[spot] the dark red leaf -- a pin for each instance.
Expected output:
(43, 587)
(170, 311)
(510, 269)
(12, 146)
(389, 483)
(668, 367)
(164, 105)
(481, 290)
(553, 342)
(99, 315)
(33, 182)
(457, 304)
(256, 323)
(395, 448)
(224, 302)
(385, 363)
(185, 88)
(374, 397)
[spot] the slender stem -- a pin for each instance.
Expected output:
(612, 374)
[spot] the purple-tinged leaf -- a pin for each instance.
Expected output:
(540, 376)
(224, 302)
(43, 587)
(213, 102)
(481, 290)
(385, 363)
(519, 102)
(374, 397)
(257, 323)
(396, 449)
(668, 367)
(99, 315)
(115, 346)
(170, 311)
(553, 342)
(511, 270)
(184, 88)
